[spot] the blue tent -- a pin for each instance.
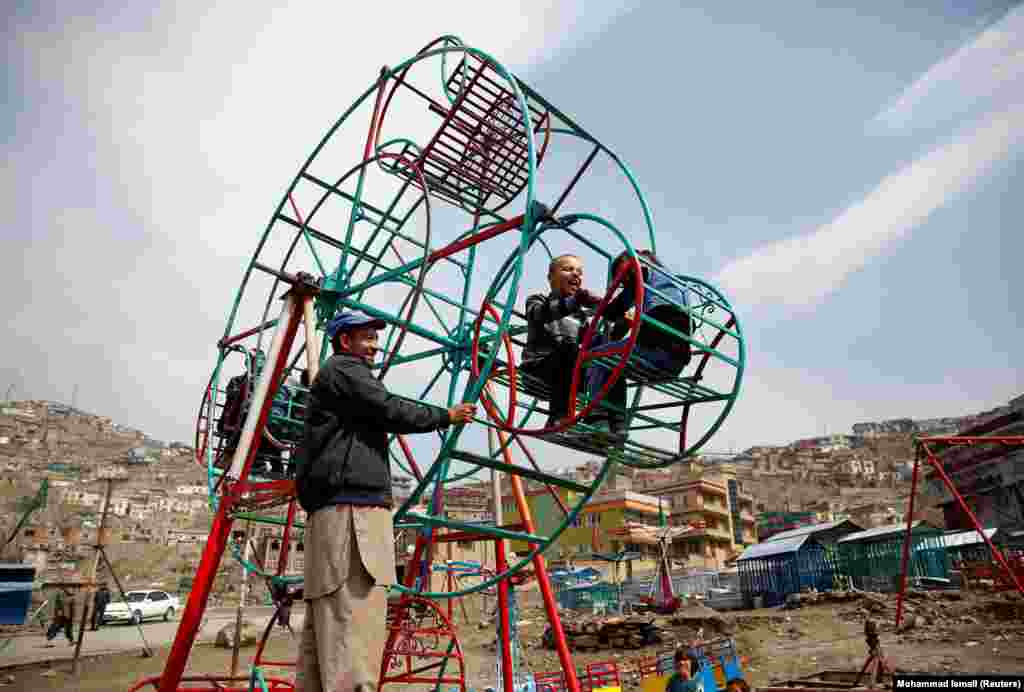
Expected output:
(775, 569)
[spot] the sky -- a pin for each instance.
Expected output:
(846, 177)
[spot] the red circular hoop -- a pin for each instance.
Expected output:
(626, 350)
(630, 266)
(474, 365)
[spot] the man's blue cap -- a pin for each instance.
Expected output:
(351, 320)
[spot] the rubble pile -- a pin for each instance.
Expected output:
(941, 615)
(704, 620)
(593, 634)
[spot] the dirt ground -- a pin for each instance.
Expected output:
(960, 633)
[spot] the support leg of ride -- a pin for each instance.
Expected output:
(1011, 575)
(561, 643)
(505, 643)
(907, 539)
(191, 618)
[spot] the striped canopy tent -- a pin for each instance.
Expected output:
(642, 534)
(775, 569)
(662, 596)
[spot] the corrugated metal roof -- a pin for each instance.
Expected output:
(810, 528)
(789, 545)
(884, 530)
(961, 538)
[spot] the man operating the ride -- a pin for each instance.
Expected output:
(343, 480)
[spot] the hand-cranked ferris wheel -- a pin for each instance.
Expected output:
(429, 204)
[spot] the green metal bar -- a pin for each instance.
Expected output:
(396, 231)
(518, 471)
(413, 328)
(341, 193)
(478, 528)
(401, 360)
(692, 312)
(261, 519)
(592, 246)
(380, 224)
(321, 236)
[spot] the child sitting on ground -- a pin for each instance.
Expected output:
(554, 327)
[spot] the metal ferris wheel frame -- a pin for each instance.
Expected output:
(481, 158)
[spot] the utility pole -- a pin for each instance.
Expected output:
(90, 579)
(496, 509)
(236, 644)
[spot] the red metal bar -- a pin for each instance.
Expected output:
(409, 578)
(455, 536)
(374, 123)
(551, 490)
(906, 542)
(627, 268)
(575, 179)
(506, 637)
(220, 531)
(487, 234)
(285, 487)
(293, 311)
(216, 683)
(561, 643)
(451, 114)
(1014, 440)
(227, 341)
(257, 659)
(488, 399)
(192, 617)
(996, 553)
(409, 457)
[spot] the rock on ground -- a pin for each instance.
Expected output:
(225, 637)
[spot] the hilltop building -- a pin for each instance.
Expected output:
(989, 477)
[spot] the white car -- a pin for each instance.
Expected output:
(142, 605)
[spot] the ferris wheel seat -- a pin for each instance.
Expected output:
(528, 384)
(645, 365)
(480, 152)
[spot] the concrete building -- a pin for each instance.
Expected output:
(609, 509)
(269, 550)
(716, 499)
(989, 477)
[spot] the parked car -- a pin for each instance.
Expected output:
(142, 605)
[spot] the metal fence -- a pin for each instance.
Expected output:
(695, 584)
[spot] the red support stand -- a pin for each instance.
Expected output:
(941, 472)
(191, 619)
(505, 640)
(572, 684)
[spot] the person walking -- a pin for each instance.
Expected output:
(99, 606)
(63, 616)
(343, 481)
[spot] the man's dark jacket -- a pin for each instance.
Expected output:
(102, 599)
(343, 458)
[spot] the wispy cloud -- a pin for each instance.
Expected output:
(800, 271)
(984, 72)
